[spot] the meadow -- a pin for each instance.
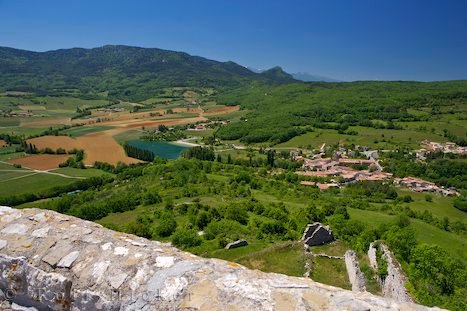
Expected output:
(83, 130)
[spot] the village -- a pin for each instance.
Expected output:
(340, 170)
(435, 147)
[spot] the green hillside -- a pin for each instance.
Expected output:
(286, 111)
(122, 71)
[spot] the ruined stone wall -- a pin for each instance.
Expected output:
(372, 256)
(356, 277)
(54, 262)
(394, 283)
(393, 286)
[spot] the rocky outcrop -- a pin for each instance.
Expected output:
(393, 285)
(356, 277)
(54, 262)
(317, 234)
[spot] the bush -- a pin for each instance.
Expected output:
(151, 198)
(185, 238)
(203, 219)
(402, 221)
(227, 228)
(237, 213)
(166, 226)
(461, 204)
(407, 198)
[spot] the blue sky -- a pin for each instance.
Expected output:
(348, 40)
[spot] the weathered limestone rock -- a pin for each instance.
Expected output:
(82, 266)
(68, 260)
(15, 229)
(41, 233)
(393, 286)
(235, 244)
(356, 277)
(317, 234)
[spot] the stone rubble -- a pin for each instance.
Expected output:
(80, 265)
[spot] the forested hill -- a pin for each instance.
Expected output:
(279, 113)
(124, 71)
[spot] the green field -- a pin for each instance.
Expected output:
(33, 184)
(440, 206)
(373, 138)
(287, 258)
(128, 135)
(50, 103)
(16, 181)
(22, 131)
(11, 155)
(83, 130)
(76, 172)
(8, 122)
(424, 232)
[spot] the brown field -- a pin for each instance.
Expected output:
(221, 110)
(107, 117)
(44, 122)
(55, 142)
(148, 123)
(101, 146)
(41, 162)
(98, 146)
(2, 143)
(31, 107)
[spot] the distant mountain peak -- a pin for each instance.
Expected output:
(277, 73)
(308, 77)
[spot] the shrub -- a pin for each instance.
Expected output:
(402, 221)
(227, 228)
(461, 204)
(407, 198)
(151, 198)
(237, 213)
(166, 226)
(203, 219)
(184, 238)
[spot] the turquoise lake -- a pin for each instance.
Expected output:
(161, 149)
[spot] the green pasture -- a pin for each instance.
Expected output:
(440, 206)
(83, 130)
(76, 172)
(128, 135)
(33, 184)
(371, 137)
(425, 233)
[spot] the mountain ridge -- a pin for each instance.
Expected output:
(125, 71)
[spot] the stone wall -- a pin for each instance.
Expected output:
(356, 277)
(54, 262)
(393, 286)
(394, 283)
